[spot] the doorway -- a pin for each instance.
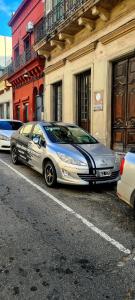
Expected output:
(123, 105)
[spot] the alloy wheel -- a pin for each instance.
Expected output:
(14, 156)
(50, 174)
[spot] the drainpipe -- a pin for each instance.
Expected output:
(5, 49)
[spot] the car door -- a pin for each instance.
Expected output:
(23, 142)
(37, 151)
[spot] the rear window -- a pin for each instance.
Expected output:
(10, 125)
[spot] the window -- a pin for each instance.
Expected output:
(38, 132)
(16, 52)
(16, 56)
(58, 10)
(2, 111)
(26, 107)
(18, 112)
(27, 48)
(57, 98)
(26, 130)
(48, 6)
(10, 125)
(83, 88)
(8, 110)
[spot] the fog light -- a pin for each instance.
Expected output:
(65, 173)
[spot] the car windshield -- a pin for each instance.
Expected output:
(68, 135)
(10, 125)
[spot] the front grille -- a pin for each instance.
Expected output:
(92, 178)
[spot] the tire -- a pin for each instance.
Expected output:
(132, 200)
(14, 156)
(50, 174)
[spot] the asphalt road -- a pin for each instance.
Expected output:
(64, 243)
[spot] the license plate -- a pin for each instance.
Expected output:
(105, 173)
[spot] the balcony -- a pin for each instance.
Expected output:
(21, 61)
(69, 17)
(61, 12)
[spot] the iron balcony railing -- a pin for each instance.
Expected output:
(21, 61)
(59, 13)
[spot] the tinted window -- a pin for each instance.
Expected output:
(68, 135)
(10, 125)
(26, 130)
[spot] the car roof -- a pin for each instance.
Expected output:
(45, 123)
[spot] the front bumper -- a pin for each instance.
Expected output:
(81, 176)
(124, 191)
(5, 145)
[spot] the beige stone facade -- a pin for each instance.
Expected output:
(106, 35)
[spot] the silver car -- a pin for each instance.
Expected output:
(7, 128)
(64, 153)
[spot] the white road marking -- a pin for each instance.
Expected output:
(102, 234)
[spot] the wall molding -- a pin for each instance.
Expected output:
(55, 66)
(81, 52)
(118, 33)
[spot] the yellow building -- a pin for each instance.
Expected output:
(89, 47)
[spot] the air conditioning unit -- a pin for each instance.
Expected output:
(29, 27)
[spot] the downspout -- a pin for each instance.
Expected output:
(5, 48)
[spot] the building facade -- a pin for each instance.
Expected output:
(26, 73)
(90, 67)
(5, 51)
(6, 109)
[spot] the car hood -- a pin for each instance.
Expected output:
(103, 157)
(7, 133)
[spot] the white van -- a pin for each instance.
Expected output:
(126, 185)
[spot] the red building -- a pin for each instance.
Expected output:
(26, 73)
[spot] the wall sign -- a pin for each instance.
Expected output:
(98, 100)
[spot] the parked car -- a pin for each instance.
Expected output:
(64, 153)
(7, 128)
(126, 185)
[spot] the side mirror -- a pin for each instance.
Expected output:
(36, 140)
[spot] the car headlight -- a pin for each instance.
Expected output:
(69, 160)
(4, 138)
(117, 158)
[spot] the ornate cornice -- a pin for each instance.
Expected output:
(117, 33)
(81, 52)
(55, 66)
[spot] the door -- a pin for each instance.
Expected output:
(84, 100)
(37, 151)
(123, 116)
(23, 142)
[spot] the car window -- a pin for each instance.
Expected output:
(37, 132)
(26, 130)
(69, 135)
(10, 125)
